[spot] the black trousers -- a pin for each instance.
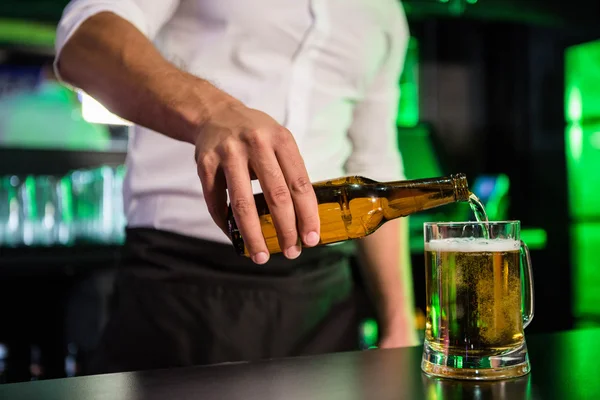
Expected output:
(180, 301)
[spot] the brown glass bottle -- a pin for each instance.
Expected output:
(354, 207)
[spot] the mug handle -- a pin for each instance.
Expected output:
(526, 285)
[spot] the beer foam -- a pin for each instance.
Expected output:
(471, 245)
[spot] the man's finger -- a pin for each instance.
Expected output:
(302, 192)
(244, 209)
(279, 200)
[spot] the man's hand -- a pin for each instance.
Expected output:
(237, 142)
(114, 62)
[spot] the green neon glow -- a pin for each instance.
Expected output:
(582, 151)
(574, 140)
(595, 140)
(459, 362)
(582, 82)
(575, 353)
(582, 147)
(534, 238)
(585, 239)
(30, 190)
(66, 200)
(408, 106)
(573, 107)
(419, 155)
(582, 135)
(27, 32)
(370, 333)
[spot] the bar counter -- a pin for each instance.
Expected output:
(565, 365)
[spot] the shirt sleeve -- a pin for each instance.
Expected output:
(373, 133)
(146, 15)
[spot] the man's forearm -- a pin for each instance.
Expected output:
(385, 260)
(112, 61)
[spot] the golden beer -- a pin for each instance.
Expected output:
(473, 288)
(479, 290)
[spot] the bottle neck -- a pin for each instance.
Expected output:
(455, 185)
(408, 197)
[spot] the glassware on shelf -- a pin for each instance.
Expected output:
(93, 204)
(119, 221)
(81, 206)
(41, 210)
(11, 215)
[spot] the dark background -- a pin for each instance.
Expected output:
(492, 90)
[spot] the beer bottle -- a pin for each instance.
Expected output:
(354, 207)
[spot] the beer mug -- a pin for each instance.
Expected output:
(479, 292)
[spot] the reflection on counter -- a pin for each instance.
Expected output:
(448, 389)
(83, 206)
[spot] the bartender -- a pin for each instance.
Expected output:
(221, 92)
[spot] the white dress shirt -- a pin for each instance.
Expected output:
(328, 70)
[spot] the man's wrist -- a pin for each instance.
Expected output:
(202, 101)
(187, 102)
(395, 314)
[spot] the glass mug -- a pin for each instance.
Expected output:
(479, 293)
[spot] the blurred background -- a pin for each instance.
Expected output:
(507, 91)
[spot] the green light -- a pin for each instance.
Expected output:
(534, 238)
(575, 354)
(573, 104)
(585, 238)
(65, 189)
(370, 333)
(408, 106)
(582, 147)
(582, 82)
(574, 141)
(595, 140)
(582, 151)
(27, 32)
(459, 362)
(582, 135)
(472, 1)
(30, 189)
(418, 153)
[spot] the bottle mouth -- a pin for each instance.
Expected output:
(461, 186)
